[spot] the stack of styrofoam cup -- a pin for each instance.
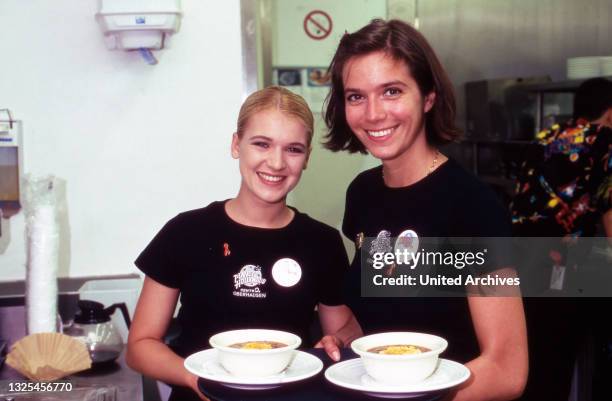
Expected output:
(42, 255)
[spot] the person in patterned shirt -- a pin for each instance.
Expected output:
(564, 188)
(565, 184)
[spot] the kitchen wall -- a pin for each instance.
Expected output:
(487, 39)
(134, 143)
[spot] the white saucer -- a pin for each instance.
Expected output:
(351, 374)
(205, 364)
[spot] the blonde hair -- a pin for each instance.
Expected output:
(277, 98)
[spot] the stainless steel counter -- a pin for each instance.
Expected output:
(127, 382)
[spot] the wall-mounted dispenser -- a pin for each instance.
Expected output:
(138, 24)
(10, 164)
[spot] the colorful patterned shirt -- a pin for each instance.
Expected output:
(565, 183)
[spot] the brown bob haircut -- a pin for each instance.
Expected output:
(404, 43)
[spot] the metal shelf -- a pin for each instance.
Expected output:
(559, 86)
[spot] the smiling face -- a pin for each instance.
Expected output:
(384, 106)
(273, 151)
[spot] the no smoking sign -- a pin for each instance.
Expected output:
(318, 25)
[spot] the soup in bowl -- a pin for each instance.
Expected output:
(399, 357)
(252, 353)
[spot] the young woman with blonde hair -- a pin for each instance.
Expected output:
(247, 262)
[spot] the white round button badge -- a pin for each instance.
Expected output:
(408, 240)
(286, 272)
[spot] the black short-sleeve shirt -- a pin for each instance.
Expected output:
(233, 276)
(450, 202)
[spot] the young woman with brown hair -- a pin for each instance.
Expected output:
(392, 98)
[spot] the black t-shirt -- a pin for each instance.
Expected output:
(233, 276)
(449, 202)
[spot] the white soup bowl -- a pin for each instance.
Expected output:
(253, 363)
(399, 369)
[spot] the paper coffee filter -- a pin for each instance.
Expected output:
(48, 356)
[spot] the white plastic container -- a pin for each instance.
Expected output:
(583, 67)
(606, 65)
(138, 24)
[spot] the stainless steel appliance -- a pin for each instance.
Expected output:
(501, 109)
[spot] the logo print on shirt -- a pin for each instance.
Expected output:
(250, 276)
(226, 250)
(286, 272)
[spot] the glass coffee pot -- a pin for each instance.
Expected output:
(92, 325)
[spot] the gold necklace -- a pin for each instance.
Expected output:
(433, 164)
(431, 168)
